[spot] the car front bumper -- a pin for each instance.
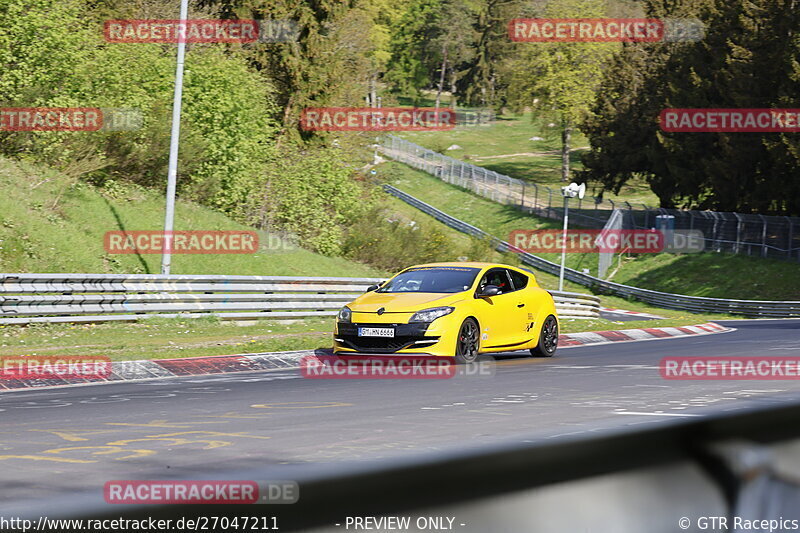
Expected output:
(408, 339)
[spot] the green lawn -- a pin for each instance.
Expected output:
(49, 223)
(707, 274)
(175, 338)
(160, 338)
(505, 146)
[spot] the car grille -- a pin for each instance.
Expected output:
(406, 335)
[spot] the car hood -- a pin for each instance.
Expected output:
(402, 302)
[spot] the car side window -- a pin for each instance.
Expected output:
(519, 279)
(497, 277)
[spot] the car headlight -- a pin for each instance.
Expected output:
(344, 314)
(429, 315)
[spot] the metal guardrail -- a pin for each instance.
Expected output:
(71, 298)
(775, 237)
(748, 308)
(576, 305)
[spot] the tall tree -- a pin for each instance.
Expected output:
(453, 44)
(749, 58)
(328, 64)
(410, 65)
(563, 76)
(480, 82)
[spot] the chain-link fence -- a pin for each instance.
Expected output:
(755, 235)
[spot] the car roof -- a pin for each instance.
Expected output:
(473, 264)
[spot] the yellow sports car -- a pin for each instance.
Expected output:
(450, 309)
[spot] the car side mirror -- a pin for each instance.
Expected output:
(489, 290)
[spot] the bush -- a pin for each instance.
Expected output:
(391, 242)
(311, 194)
(228, 121)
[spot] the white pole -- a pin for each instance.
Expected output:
(172, 172)
(564, 244)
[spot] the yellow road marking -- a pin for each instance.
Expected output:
(212, 434)
(210, 444)
(299, 405)
(105, 450)
(159, 424)
(234, 414)
(40, 458)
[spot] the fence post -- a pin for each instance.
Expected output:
(738, 233)
(630, 213)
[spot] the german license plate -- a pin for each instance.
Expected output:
(376, 332)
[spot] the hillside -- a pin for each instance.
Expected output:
(52, 223)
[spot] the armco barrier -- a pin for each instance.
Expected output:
(70, 298)
(699, 304)
(776, 237)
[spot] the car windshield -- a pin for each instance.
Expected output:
(432, 279)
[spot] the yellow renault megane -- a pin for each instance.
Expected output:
(450, 309)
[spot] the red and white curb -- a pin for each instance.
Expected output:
(170, 368)
(643, 334)
(226, 364)
(647, 316)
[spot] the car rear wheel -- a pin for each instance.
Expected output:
(468, 342)
(548, 338)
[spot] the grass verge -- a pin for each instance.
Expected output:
(176, 338)
(525, 146)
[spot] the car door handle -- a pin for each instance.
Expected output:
(520, 305)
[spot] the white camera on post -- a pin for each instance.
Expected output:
(574, 190)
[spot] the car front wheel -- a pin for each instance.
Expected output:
(468, 342)
(548, 338)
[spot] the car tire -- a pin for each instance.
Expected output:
(468, 342)
(548, 338)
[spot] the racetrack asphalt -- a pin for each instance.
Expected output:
(75, 439)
